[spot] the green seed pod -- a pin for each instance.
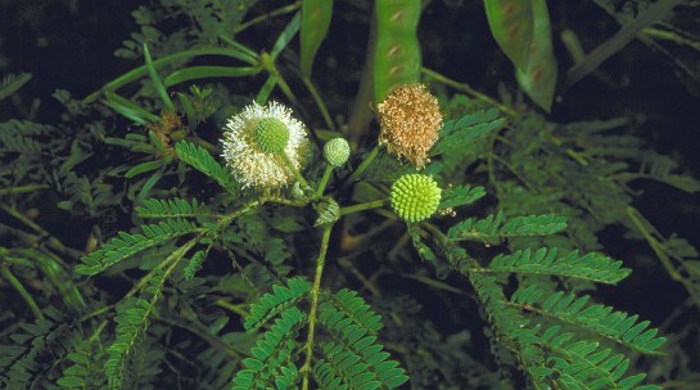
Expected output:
(397, 57)
(336, 151)
(315, 20)
(522, 30)
(272, 135)
(415, 197)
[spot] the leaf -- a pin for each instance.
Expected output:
(495, 227)
(457, 133)
(202, 72)
(604, 320)
(461, 195)
(129, 109)
(201, 160)
(12, 83)
(157, 82)
(594, 267)
(127, 245)
(171, 208)
(271, 304)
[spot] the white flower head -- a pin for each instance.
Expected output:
(250, 164)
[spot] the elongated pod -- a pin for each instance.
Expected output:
(397, 56)
(315, 20)
(522, 30)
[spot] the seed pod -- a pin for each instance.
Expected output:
(397, 57)
(522, 30)
(315, 20)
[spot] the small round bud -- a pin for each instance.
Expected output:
(336, 151)
(415, 197)
(272, 135)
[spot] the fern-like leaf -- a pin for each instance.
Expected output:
(455, 134)
(495, 227)
(171, 208)
(199, 159)
(272, 354)
(281, 299)
(604, 320)
(13, 82)
(594, 267)
(355, 355)
(126, 245)
(461, 195)
(583, 365)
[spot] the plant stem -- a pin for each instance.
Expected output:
(319, 102)
(324, 180)
(363, 165)
(363, 206)
(22, 291)
(294, 170)
(466, 88)
(23, 189)
(320, 262)
(258, 19)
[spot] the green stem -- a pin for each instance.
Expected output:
(320, 262)
(324, 180)
(363, 206)
(23, 189)
(363, 165)
(319, 102)
(279, 11)
(22, 291)
(466, 88)
(658, 248)
(292, 168)
(141, 71)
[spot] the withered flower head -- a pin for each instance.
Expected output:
(410, 121)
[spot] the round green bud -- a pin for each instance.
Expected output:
(272, 135)
(336, 151)
(415, 197)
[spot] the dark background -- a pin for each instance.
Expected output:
(70, 45)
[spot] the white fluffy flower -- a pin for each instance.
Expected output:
(252, 166)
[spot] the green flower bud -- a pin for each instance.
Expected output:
(272, 135)
(336, 151)
(415, 197)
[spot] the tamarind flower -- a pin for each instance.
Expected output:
(415, 197)
(255, 140)
(410, 122)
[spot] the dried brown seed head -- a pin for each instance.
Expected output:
(410, 121)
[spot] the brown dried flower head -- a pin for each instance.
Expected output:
(410, 121)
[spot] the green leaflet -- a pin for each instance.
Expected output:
(315, 20)
(12, 83)
(522, 30)
(397, 56)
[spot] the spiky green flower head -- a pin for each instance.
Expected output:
(272, 135)
(253, 140)
(415, 197)
(336, 151)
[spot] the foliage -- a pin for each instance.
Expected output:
(132, 258)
